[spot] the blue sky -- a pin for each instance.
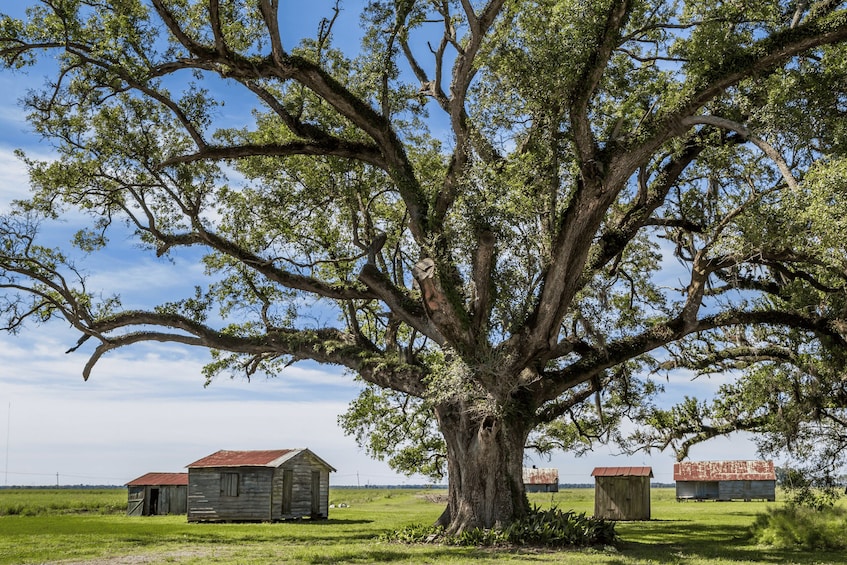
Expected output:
(146, 409)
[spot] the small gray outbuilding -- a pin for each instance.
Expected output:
(157, 494)
(725, 480)
(622, 493)
(258, 486)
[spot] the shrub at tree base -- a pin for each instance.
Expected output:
(802, 528)
(547, 528)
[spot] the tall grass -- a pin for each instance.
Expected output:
(42, 502)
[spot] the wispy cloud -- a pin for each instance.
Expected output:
(146, 409)
(14, 181)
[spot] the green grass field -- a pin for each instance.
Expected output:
(50, 526)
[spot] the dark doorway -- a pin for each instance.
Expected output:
(316, 494)
(154, 501)
(287, 491)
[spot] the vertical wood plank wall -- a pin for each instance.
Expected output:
(622, 498)
(173, 499)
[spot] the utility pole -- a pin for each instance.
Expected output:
(8, 433)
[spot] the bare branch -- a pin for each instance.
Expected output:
(594, 71)
(270, 13)
(404, 307)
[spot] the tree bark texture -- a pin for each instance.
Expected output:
(485, 466)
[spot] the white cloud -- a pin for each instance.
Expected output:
(14, 182)
(145, 409)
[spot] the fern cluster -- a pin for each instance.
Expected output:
(545, 528)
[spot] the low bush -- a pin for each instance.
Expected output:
(802, 527)
(414, 533)
(557, 528)
(543, 528)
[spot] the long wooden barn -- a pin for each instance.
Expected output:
(256, 486)
(541, 480)
(725, 480)
(622, 493)
(157, 494)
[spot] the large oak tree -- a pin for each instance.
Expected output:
(511, 210)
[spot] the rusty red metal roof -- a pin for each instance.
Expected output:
(622, 472)
(535, 476)
(724, 471)
(225, 458)
(164, 479)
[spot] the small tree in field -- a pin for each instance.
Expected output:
(517, 209)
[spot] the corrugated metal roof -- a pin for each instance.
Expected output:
(535, 476)
(165, 479)
(622, 472)
(724, 471)
(262, 458)
(226, 458)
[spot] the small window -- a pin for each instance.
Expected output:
(229, 484)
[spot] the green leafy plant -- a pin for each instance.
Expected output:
(802, 527)
(550, 527)
(414, 533)
(806, 488)
(558, 528)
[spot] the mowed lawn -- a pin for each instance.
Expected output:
(54, 526)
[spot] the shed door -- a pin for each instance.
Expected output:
(316, 493)
(287, 491)
(135, 502)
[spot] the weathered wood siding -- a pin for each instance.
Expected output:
(541, 488)
(726, 490)
(207, 503)
(135, 501)
(305, 501)
(697, 490)
(622, 498)
(155, 500)
(747, 490)
(173, 499)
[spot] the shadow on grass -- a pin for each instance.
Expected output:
(329, 522)
(670, 541)
(429, 554)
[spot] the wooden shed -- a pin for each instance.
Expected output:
(725, 480)
(244, 486)
(622, 493)
(157, 494)
(540, 480)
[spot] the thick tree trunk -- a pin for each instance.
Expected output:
(485, 468)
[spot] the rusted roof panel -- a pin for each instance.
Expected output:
(724, 471)
(164, 479)
(534, 476)
(225, 458)
(622, 472)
